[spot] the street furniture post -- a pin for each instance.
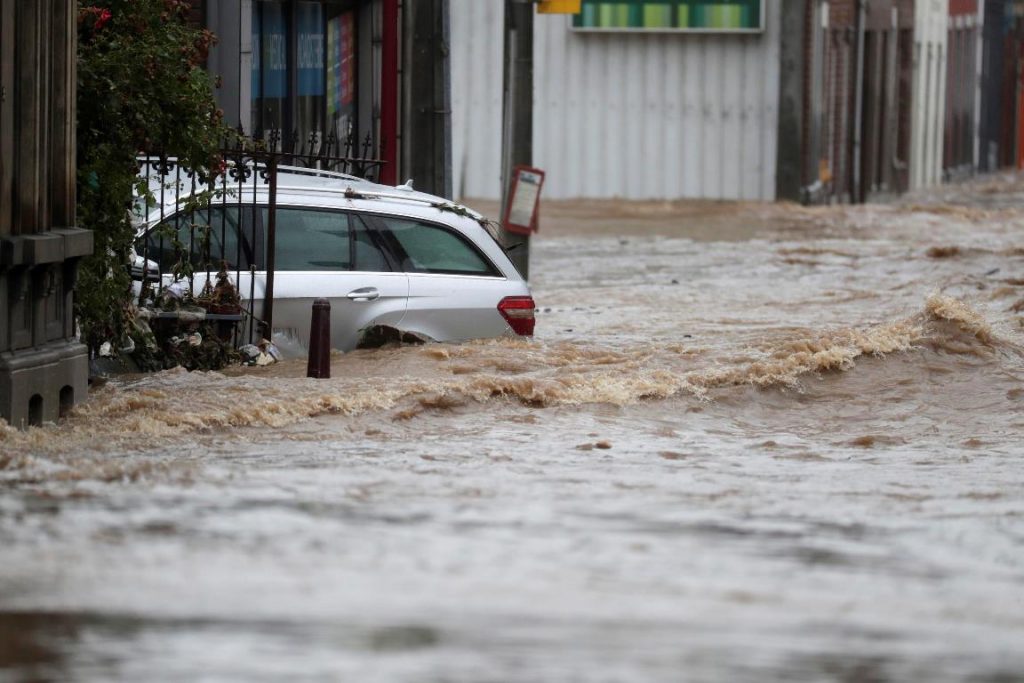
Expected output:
(319, 366)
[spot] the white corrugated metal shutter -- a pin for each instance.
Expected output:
(477, 53)
(631, 115)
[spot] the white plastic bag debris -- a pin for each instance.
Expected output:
(176, 290)
(250, 352)
(269, 353)
(195, 339)
(270, 348)
(106, 350)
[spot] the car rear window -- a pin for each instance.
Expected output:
(429, 248)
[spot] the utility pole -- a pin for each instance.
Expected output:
(517, 114)
(426, 144)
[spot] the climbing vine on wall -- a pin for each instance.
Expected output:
(141, 89)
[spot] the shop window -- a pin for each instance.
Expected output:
(269, 66)
(427, 248)
(304, 69)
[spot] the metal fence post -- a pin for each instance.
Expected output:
(268, 294)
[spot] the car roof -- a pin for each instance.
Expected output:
(316, 188)
(295, 186)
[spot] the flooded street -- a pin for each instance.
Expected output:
(749, 442)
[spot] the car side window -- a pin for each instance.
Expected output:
(429, 248)
(206, 236)
(308, 239)
(311, 239)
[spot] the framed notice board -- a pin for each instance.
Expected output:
(520, 215)
(676, 16)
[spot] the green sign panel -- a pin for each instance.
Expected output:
(670, 15)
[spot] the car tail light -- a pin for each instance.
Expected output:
(518, 313)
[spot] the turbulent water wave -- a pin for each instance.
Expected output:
(172, 405)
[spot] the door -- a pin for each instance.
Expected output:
(323, 253)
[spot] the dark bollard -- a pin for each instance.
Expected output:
(320, 341)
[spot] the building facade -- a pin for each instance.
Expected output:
(855, 122)
(1002, 106)
(961, 152)
(310, 71)
(823, 101)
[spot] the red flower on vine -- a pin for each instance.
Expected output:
(102, 20)
(97, 17)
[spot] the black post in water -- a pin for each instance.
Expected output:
(320, 341)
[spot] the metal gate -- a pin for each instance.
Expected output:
(195, 228)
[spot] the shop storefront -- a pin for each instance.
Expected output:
(304, 67)
(321, 72)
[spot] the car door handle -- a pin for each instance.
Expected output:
(364, 294)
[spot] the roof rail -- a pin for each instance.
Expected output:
(442, 204)
(302, 170)
(401, 195)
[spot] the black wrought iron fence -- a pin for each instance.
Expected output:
(351, 155)
(208, 237)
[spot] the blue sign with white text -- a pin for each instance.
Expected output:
(310, 49)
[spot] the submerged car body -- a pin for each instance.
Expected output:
(385, 257)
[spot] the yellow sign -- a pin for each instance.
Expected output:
(560, 6)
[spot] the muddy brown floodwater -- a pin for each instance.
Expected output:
(749, 442)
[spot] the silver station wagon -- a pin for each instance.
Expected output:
(387, 258)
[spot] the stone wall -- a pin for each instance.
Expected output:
(43, 370)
